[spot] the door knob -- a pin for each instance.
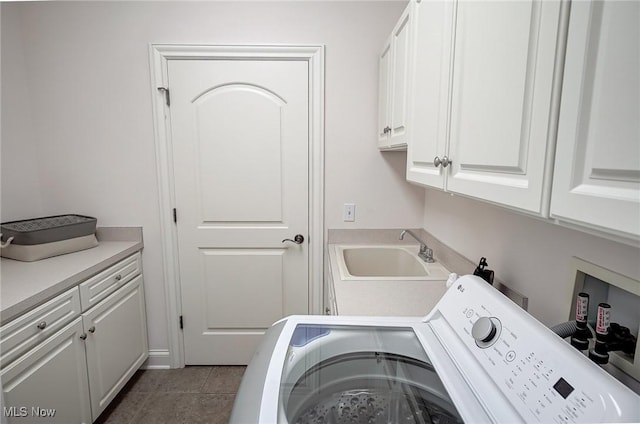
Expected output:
(298, 239)
(437, 162)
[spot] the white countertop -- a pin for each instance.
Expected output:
(25, 285)
(383, 297)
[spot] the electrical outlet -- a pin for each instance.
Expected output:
(349, 213)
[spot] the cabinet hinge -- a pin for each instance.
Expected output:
(167, 98)
(175, 215)
(181, 323)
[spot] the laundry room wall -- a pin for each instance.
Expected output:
(528, 254)
(83, 68)
(19, 175)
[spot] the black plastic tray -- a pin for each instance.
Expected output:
(48, 229)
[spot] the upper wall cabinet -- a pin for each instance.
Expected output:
(429, 100)
(393, 87)
(482, 100)
(596, 179)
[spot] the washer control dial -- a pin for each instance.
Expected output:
(483, 329)
(486, 331)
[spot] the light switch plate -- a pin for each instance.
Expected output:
(349, 213)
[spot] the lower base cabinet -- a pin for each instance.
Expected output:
(72, 376)
(49, 384)
(116, 343)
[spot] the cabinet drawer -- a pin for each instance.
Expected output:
(23, 333)
(102, 285)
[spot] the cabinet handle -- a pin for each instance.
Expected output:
(42, 325)
(387, 130)
(445, 161)
(83, 336)
(92, 329)
(118, 277)
(327, 311)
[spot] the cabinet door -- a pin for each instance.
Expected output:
(429, 98)
(49, 383)
(597, 168)
(116, 342)
(401, 43)
(384, 69)
(504, 60)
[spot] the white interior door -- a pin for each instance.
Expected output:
(240, 138)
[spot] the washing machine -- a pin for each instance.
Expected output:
(476, 357)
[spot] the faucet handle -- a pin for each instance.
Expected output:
(430, 255)
(426, 254)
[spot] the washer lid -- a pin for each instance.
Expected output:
(338, 373)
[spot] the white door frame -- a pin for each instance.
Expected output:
(159, 54)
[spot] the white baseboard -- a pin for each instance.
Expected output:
(159, 359)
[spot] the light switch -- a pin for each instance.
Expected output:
(349, 214)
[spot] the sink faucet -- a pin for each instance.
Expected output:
(426, 254)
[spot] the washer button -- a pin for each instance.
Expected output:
(510, 356)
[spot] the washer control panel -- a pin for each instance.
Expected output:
(544, 378)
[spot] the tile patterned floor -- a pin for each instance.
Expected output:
(181, 396)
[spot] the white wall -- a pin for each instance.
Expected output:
(529, 255)
(20, 195)
(87, 76)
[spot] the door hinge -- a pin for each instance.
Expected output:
(175, 215)
(167, 98)
(181, 323)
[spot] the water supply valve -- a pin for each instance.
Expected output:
(580, 338)
(610, 337)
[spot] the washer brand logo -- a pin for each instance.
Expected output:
(460, 288)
